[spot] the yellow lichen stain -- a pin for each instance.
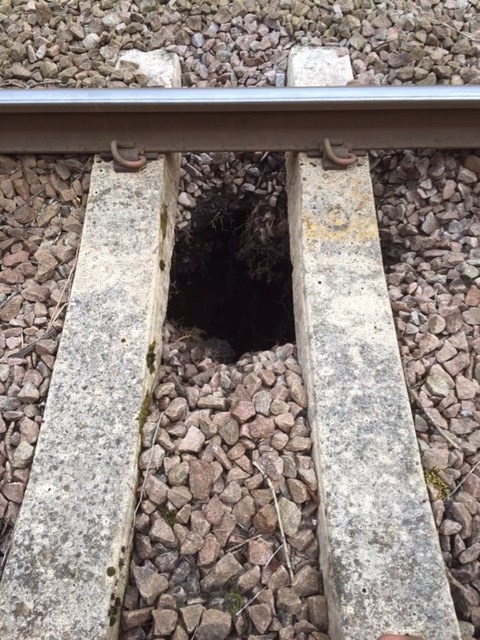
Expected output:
(436, 483)
(338, 206)
(334, 226)
(311, 226)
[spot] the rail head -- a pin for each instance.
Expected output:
(249, 99)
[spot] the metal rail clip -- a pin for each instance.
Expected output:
(336, 155)
(127, 157)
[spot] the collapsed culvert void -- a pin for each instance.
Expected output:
(231, 275)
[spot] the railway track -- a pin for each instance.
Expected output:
(166, 121)
(238, 119)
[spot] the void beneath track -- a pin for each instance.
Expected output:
(231, 274)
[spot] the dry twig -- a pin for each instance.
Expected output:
(147, 470)
(195, 631)
(273, 555)
(24, 351)
(238, 546)
(414, 399)
(250, 601)
(460, 483)
(8, 443)
(280, 523)
(57, 311)
(450, 26)
(7, 476)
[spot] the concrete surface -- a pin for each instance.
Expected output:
(65, 574)
(380, 555)
(161, 67)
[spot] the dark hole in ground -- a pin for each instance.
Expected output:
(231, 273)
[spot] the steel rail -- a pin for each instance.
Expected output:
(242, 99)
(238, 119)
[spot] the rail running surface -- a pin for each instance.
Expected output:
(240, 99)
(238, 119)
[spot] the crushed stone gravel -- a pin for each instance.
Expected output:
(42, 203)
(428, 211)
(209, 553)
